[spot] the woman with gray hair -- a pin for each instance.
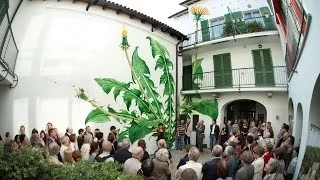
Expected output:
(54, 149)
(161, 165)
(272, 169)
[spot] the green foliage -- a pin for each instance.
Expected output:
(163, 62)
(98, 116)
(254, 27)
(311, 156)
(141, 91)
(205, 107)
(197, 73)
(130, 94)
(143, 74)
(29, 163)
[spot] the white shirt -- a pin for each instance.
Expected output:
(212, 132)
(85, 150)
(105, 154)
(258, 165)
(193, 165)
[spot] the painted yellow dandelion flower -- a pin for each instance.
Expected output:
(124, 31)
(199, 11)
(124, 43)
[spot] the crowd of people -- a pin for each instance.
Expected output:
(243, 150)
(240, 150)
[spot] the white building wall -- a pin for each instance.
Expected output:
(303, 81)
(62, 45)
(184, 23)
(275, 106)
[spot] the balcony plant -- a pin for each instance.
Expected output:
(254, 27)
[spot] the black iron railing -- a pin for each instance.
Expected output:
(237, 78)
(231, 28)
(8, 46)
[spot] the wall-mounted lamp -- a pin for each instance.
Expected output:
(260, 46)
(269, 94)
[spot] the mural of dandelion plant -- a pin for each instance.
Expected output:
(142, 91)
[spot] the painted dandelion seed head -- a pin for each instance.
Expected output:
(199, 11)
(81, 94)
(124, 44)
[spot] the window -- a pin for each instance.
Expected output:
(252, 14)
(217, 27)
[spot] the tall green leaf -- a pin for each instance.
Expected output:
(206, 107)
(97, 116)
(163, 62)
(197, 73)
(107, 84)
(143, 74)
(124, 114)
(161, 54)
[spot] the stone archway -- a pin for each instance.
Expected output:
(298, 125)
(314, 115)
(244, 108)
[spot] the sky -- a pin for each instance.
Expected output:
(159, 10)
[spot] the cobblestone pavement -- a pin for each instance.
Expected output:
(178, 154)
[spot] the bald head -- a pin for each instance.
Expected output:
(137, 153)
(107, 146)
(194, 154)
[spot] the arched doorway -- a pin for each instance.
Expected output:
(313, 137)
(247, 109)
(290, 114)
(298, 125)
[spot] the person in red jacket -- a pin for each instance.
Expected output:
(267, 155)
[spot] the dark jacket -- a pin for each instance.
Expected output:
(122, 155)
(216, 131)
(183, 161)
(246, 172)
(145, 155)
(209, 169)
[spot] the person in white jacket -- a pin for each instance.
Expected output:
(85, 148)
(258, 162)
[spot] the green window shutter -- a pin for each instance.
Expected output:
(268, 67)
(268, 21)
(222, 70)
(218, 79)
(258, 69)
(205, 30)
(227, 17)
(227, 70)
(238, 16)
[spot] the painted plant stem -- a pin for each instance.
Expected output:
(140, 87)
(125, 46)
(83, 96)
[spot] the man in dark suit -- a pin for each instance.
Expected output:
(214, 133)
(209, 169)
(123, 154)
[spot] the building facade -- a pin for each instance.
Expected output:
(298, 24)
(242, 62)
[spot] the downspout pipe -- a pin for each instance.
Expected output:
(178, 53)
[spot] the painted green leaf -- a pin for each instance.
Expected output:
(197, 73)
(163, 62)
(138, 131)
(107, 84)
(157, 48)
(143, 74)
(123, 134)
(206, 107)
(124, 114)
(197, 68)
(97, 116)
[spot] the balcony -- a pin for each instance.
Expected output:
(236, 79)
(223, 30)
